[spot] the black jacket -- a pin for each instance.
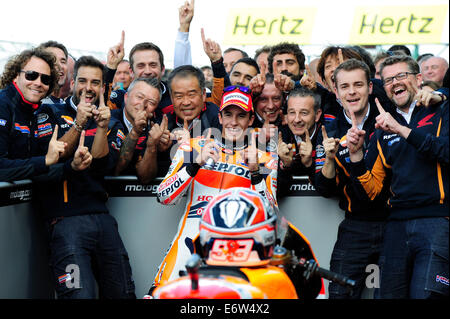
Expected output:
(20, 155)
(342, 186)
(83, 192)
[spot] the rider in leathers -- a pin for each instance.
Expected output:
(237, 163)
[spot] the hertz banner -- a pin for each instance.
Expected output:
(255, 26)
(398, 25)
(371, 25)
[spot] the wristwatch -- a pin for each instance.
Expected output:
(442, 95)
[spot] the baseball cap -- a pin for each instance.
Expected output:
(237, 95)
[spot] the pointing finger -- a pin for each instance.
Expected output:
(55, 133)
(307, 137)
(340, 56)
(308, 70)
(353, 118)
(122, 39)
(83, 134)
(380, 108)
(324, 132)
(164, 123)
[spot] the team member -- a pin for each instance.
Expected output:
(138, 154)
(27, 79)
(230, 56)
(237, 163)
(298, 138)
(243, 72)
(412, 146)
(61, 55)
(122, 77)
(81, 231)
(359, 236)
(288, 59)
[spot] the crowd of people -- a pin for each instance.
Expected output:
(371, 131)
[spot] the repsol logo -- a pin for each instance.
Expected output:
(170, 189)
(141, 188)
(386, 137)
(232, 169)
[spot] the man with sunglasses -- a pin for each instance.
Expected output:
(205, 165)
(27, 78)
(411, 146)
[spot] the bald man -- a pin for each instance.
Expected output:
(433, 69)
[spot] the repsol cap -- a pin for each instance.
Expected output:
(237, 95)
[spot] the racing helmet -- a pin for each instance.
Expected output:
(238, 228)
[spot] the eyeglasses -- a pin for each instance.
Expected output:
(33, 75)
(398, 77)
(243, 89)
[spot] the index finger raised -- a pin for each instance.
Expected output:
(55, 133)
(353, 118)
(82, 136)
(380, 108)
(324, 132)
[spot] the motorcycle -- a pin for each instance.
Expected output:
(292, 273)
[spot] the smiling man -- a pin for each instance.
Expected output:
(360, 233)
(61, 56)
(81, 230)
(27, 78)
(188, 94)
(296, 147)
(236, 162)
(288, 59)
(409, 153)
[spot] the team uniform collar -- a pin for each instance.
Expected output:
(407, 115)
(360, 125)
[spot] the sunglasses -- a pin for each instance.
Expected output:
(33, 75)
(243, 89)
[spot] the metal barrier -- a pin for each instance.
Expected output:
(146, 227)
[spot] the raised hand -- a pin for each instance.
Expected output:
(258, 81)
(208, 151)
(165, 140)
(84, 110)
(82, 158)
(283, 82)
(355, 136)
(426, 98)
(330, 144)
(116, 53)
(185, 15)
(305, 150)
(251, 155)
(182, 135)
(140, 122)
(285, 151)
(55, 149)
(102, 114)
(155, 134)
(308, 81)
(211, 48)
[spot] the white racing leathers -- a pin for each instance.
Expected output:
(201, 185)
